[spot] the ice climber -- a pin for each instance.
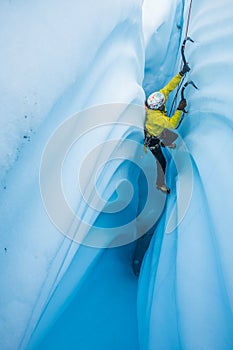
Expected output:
(157, 125)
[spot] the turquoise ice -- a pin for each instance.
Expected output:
(95, 63)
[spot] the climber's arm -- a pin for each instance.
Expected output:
(173, 83)
(171, 123)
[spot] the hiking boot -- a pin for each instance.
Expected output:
(172, 145)
(163, 188)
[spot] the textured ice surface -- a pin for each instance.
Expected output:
(57, 60)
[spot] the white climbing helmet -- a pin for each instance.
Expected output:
(156, 100)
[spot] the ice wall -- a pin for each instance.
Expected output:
(58, 60)
(56, 293)
(185, 289)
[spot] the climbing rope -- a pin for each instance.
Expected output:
(188, 19)
(186, 38)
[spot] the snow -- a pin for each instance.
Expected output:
(73, 83)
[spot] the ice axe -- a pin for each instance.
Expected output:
(183, 48)
(190, 82)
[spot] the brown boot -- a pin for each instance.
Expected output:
(172, 145)
(163, 188)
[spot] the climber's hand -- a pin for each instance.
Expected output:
(182, 105)
(185, 69)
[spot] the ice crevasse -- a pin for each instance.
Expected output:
(72, 100)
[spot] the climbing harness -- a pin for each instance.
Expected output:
(148, 140)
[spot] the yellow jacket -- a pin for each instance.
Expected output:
(156, 120)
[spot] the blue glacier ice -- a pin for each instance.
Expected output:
(72, 89)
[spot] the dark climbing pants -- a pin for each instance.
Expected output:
(161, 163)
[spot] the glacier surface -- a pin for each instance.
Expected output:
(73, 84)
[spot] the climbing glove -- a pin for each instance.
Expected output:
(182, 105)
(185, 69)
